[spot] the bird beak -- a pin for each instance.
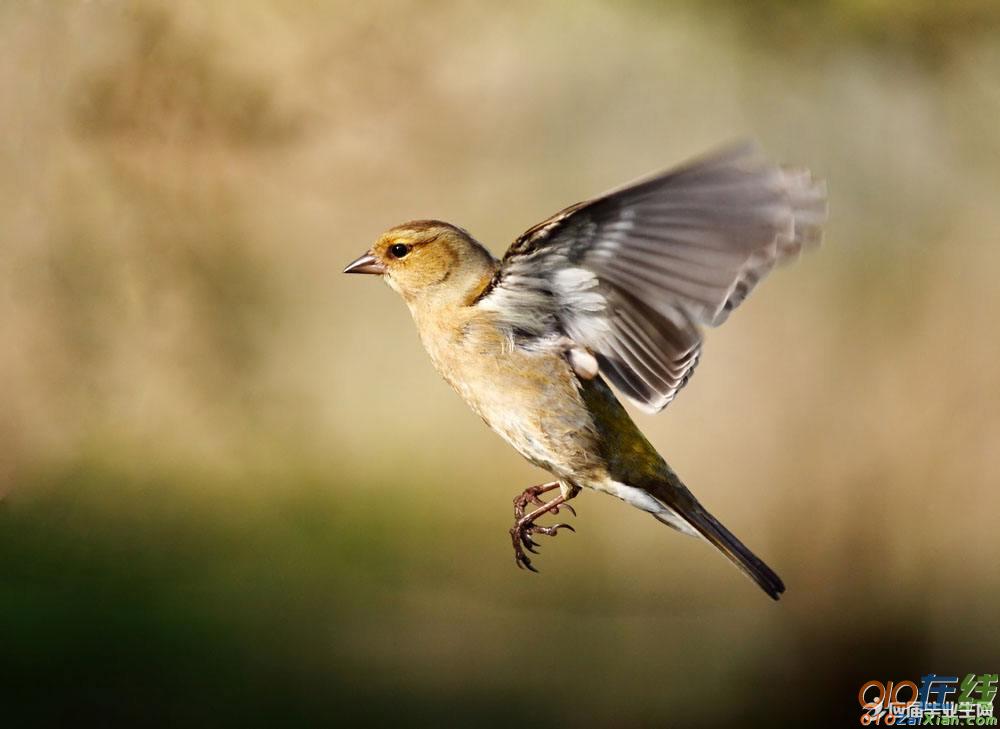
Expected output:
(365, 264)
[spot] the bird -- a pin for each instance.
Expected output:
(610, 294)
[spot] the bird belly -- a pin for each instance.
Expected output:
(531, 400)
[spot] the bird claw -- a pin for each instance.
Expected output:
(529, 543)
(521, 541)
(551, 531)
(568, 507)
(524, 563)
(524, 525)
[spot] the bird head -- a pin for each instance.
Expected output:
(428, 261)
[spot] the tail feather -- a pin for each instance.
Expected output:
(726, 542)
(683, 512)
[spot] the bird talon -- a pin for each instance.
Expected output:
(524, 524)
(522, 561)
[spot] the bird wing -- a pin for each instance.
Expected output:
(632, 275)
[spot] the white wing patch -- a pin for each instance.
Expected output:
(575, 287)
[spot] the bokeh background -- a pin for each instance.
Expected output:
(234, 491)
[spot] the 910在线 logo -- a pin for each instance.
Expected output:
(938, 701)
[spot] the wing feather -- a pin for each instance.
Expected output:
(632, 276)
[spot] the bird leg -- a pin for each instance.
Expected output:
(524, 524)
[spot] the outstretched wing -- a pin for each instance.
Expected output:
(632, 275)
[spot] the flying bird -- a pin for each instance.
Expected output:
(610, 292)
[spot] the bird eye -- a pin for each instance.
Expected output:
(399, 250)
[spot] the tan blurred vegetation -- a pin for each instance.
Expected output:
(185, 367)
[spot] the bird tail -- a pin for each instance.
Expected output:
(684, 513)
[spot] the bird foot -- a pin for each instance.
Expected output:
(524, 524)
(530, 496)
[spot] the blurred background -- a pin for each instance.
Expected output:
(233, 491)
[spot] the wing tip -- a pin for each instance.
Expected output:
(808, 198)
